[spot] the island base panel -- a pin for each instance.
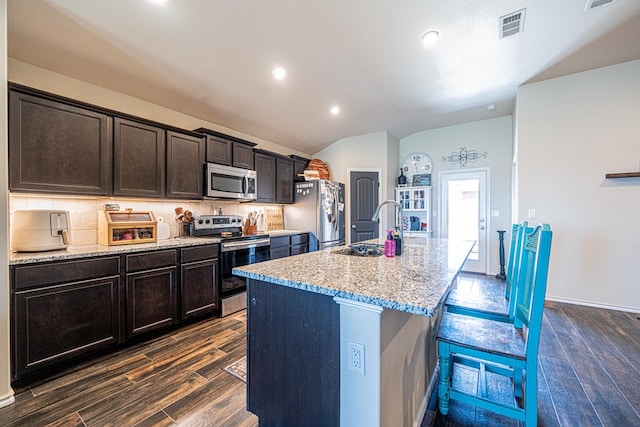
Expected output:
(293, 356)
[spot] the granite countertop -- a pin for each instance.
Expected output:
(414, 282)
(87, 251)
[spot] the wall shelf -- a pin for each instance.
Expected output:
(623, 175)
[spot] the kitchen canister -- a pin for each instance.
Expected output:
(163, 229)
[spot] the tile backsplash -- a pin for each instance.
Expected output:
(84, 211)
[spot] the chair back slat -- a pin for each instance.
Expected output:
(512, 258)
(516, 269)
(532, 283)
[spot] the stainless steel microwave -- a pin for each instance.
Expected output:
(226, 182)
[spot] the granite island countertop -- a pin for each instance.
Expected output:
(414, 282)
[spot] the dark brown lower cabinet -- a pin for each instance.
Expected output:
(284, 246)
(152, 297)
(55, 323)
(198, 281)
(293, 356)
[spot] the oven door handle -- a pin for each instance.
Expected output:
(229, 246)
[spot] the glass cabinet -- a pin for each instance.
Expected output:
(416, 205)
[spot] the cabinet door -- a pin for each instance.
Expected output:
(219, 150)
(198, 288)
(282, 252)
(56, 147)
(266, 173)
(284, 185)
(242, 155)
(299, 167)
(151, 300)
(56, 323)
(138, 159)
(185, 162)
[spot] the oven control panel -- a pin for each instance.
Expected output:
(212, 222)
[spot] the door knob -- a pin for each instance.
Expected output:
(353, 226)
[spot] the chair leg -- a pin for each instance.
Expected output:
(446, 370)
(517, 383)
(531, 395)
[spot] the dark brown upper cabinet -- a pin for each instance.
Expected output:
(228, 150)
(275, 177)
(299, 166)
(185, 165)
(284, 180)
(139, 156)
(58, 147)
(265, 165)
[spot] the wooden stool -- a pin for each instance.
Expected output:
(498, 347)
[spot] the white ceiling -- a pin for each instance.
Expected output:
(212, 59)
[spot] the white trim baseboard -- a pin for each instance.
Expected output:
(7, 400)
(593, 304)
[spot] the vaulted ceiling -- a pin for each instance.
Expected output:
(213, 59)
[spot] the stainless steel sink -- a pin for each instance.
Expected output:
(362, 249)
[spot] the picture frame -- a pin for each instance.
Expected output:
(421, 180)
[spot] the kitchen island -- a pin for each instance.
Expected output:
(337, 339)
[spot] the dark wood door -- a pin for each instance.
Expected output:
(151, 300)
(185, 162)
(219, 150)
(284, 177)
(198, 288)
(55, 147)
(265, 166)
(55, 323)
(243, 155)
(364, 200)
(138, 159)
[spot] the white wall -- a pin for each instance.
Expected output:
(571, 132)
(374, 151)
(495, 136)
(6, 394)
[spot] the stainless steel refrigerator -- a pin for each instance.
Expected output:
(318, 207)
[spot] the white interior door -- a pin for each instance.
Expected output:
(464, 213)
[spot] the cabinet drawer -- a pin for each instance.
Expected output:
(30, 276)
(279, 241)
(198, 253)
(280, 252)
(299, 239)
(150, 260)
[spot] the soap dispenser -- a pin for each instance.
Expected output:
(390, 245)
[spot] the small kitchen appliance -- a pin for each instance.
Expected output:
(227, 182)
(39, 230)
(236, 250)
(318, 207)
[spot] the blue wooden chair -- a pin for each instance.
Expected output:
(493, 305)
(507, 349)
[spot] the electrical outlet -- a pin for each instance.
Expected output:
(495, 212)
(532, 213)
(356, 357)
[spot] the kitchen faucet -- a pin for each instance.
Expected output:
(399, 219)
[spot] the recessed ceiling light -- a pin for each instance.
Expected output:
(279, 73)
(429, 38)
(159, 1)
(335, 110)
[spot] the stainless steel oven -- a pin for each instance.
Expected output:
(236, 252)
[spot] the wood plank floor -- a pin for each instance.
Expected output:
(175, 379)
(589, 376)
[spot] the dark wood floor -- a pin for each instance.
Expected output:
(176, 379)
(589, 375)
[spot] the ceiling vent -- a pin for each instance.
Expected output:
(513, 23)
(594, 4)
